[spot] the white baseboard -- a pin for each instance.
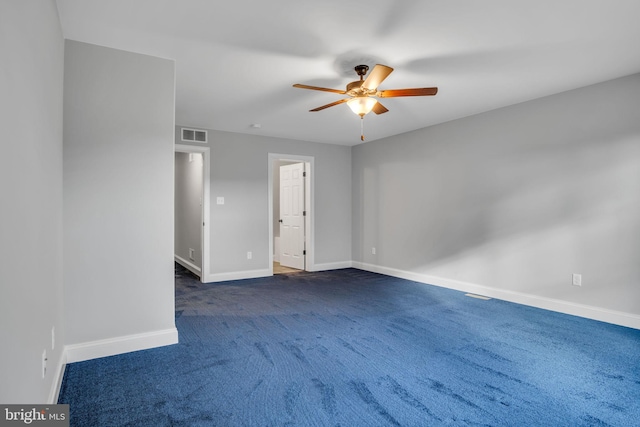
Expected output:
(188, 265)
(590, 312)
(252, 274)
(237, 275)
(331, 266)
(119, 345)
(57, 380)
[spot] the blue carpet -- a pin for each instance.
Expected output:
(352, 348)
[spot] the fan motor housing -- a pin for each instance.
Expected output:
(354, 86)
(356, 89)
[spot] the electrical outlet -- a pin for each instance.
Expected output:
(192, 254)
(44, 363)
(220, 200)
(576, 279)
(249, 255)
(373, 250)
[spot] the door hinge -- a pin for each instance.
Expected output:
(304, 173)
(304, 213)
(304, 252)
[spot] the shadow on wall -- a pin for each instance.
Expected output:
(519, 205)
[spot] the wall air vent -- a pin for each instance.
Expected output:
(194, 135)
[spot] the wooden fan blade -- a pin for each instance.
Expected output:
(379, 108)
(330, 105)
(376, 76)
(324, 89)
(422, 91)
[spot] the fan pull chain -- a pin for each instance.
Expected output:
(362, 127)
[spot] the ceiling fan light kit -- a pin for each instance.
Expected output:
(361, 105)
(363, 91)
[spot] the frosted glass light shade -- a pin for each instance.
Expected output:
(361, 105)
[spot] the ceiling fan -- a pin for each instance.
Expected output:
(362, 92)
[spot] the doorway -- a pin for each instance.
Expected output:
(195, 254)
(291, 218)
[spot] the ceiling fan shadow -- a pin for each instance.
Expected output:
(478, 61)
(334, 83)
(345, 63)
(396, 16)
(303, 45)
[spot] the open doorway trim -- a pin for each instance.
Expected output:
(309, 202)
(206, 195)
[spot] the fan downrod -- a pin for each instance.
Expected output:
(353, 88)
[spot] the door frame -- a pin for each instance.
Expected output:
(309, 206)
(206, 203)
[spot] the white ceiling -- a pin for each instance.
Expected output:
(236, 60)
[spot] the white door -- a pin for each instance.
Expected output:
(292, 216)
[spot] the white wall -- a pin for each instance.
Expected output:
(239, 173)
(118, 200)
(188, 208)
(31, 77)
(514, 200)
